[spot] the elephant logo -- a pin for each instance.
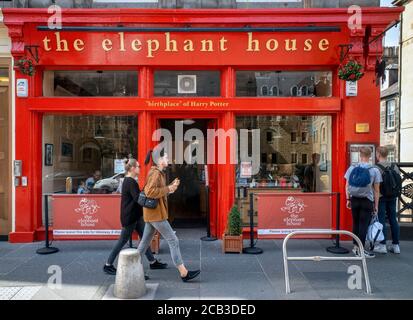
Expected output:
(87, 207)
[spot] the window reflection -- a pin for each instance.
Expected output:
(284, 83)
(292, 158)
(90, 83)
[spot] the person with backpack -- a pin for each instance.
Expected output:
(362, 193)
(390, 190)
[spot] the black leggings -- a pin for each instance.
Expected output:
(362, 210)
(125, 235)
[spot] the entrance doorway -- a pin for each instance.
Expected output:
(188, 205)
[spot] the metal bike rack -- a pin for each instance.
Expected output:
(361, 258)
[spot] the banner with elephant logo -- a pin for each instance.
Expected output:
(282, 213)
(86, 216)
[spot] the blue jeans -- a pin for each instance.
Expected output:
(167, 233)
(388, 208)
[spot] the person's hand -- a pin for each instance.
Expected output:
(172, 188)
(348, 204)
(376, 211)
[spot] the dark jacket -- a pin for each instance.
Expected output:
(130, 210)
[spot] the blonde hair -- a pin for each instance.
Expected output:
(383, 152)
(130, 163)
(365, 152)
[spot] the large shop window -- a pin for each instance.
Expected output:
(82, 154)
(90, 83)
(293, 160)
(284, 83)
(187, 83)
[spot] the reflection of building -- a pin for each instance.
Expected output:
(292, 84)
(390, 111)
(321, 145)
(83, 144)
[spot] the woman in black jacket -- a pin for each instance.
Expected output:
(131, 217)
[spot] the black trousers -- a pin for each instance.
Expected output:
(362, 209)
(125, 235)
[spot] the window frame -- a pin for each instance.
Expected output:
(388, 118)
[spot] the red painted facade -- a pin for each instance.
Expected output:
(86, 51)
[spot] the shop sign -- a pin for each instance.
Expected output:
(187, 48)
(282, 213)
(80, 216)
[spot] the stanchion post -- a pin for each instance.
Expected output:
(208, 236)
(337, 249)
(252, 249)
(47, 249)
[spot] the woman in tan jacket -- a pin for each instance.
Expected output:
(157, 219)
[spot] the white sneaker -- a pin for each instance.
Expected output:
(395, 248)
(380, 248)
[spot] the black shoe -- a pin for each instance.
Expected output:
(146, 277)
(191, 275)
(158, 265)
(109, 269)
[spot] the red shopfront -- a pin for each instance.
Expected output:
(272, 69)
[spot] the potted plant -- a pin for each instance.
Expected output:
(232, 238)
(351, 72)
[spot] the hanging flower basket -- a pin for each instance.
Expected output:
(26, 66)
(351, 71)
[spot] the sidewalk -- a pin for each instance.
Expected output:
(24, 274)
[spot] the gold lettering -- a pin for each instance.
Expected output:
(222, 42)
(188, 45)
(252, 42)
(122, 41)
(308, 45)
(46, 42)
(60, 42)
(107, 44)
(136, 45)
(169, 42)
(204, 45)
(272, 45)
(152, 49)
(323, 44)
(289, 47)
(79, 45)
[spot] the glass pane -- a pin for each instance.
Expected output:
(187, 83)
(284, 83)
(90, 83)
(288, 163)
(79, 151)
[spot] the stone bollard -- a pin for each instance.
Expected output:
(130, 278)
